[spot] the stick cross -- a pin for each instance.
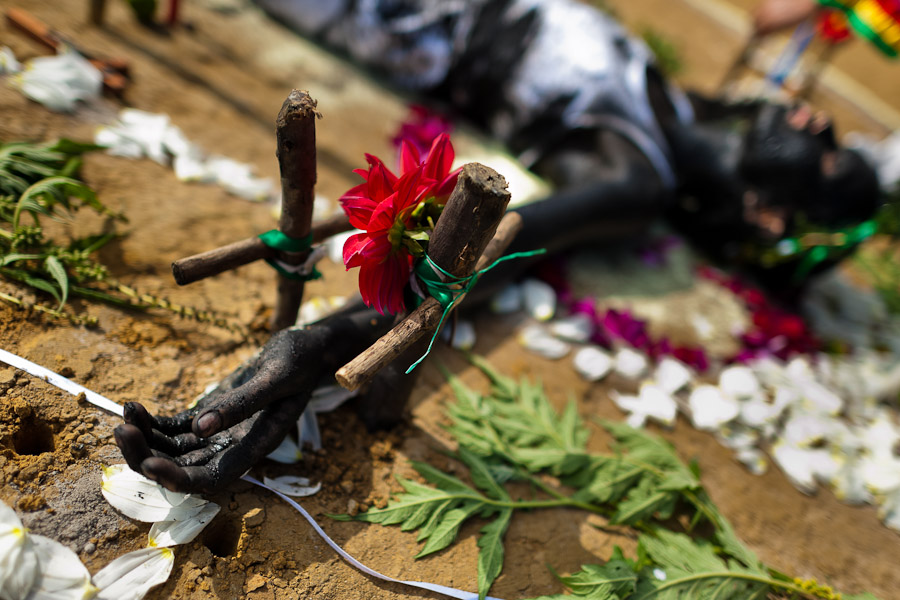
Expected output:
(296, 152)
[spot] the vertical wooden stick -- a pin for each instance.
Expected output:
(97, 12)
(296, 151)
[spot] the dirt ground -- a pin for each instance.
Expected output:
(222, 81)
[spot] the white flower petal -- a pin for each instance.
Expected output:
(137, 497)
(754, 459)
(319, 307)
(805, 429)
(62, 576)
(291, 485)
(131, 576)
(574, 328)
(508, 300)
(8, 62)
(287, 452)
(889, 510)
(710, 409)
(757, 412)
(58, 82)
(171, 533)
(739, 382)
(630, 363)
(538, 340)
(463, 334)
(881, 474)
(652, 402)
(803, 466)
(672, 375)
(849, 485)
(18, 560)
(816, 397)
(592, 363)
(539, 299)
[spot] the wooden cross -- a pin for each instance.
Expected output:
(296, 152)
(469, 236)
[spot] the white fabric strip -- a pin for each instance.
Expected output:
(432, 587)
(60, 381)
(107, 404)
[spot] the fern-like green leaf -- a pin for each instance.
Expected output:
(490, 554)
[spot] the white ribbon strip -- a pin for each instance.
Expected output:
(59, 381)
(107, 404)
(318, 253)
(432, 587)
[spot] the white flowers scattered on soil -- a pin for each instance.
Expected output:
(58, 82)
(139, 134)
(818, 418)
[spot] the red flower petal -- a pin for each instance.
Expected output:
(409, 157)
(440, 158)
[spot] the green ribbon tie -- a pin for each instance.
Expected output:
(448, 292)
(279, 241)
(817, 254)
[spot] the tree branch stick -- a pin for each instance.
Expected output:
(462, 234)
(295, 131)
(212, 262)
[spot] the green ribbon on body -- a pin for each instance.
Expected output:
(449, 289)
(280, 241)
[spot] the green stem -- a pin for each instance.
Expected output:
(785, 585)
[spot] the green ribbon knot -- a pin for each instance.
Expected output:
(280, 241)
(449, 289)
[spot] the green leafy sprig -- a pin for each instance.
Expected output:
(513, 433)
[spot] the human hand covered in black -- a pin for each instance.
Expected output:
(206, 447)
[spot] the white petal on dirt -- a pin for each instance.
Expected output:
(329, 397)
(592, 363)
(672, 375)
(652, 403)
(710, 409)
(463, 334)
(738, 437)
(171, 533)
(816, 397)
(805, 429)
(803, 466)
(62, 576)
(881, 474)
(881, 436)
(756, 413)
(539, 299)
(537, 339)
(131, 576)
(630, 363)
(754, 459)
(137, 497)
(136, 134)
(58, 82)
(889, 510)
(508, 300)
(8, 62)
(739, 382)
(18, 560)
(574, 328)
(238, 178)
(849, 485)
(291, 485)
(287, 452)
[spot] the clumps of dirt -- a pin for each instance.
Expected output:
(140, 334)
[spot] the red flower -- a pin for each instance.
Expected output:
(382, 206)
(384, 262)
(435, 166)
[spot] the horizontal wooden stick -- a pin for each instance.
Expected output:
(421, 321)
(212, 262)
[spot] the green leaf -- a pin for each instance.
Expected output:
(613, 580)
(72, 147)
(53, 266)
(11, 258)
(448, 528)
(481, 475)
(490, 555)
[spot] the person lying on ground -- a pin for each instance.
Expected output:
(580, 101)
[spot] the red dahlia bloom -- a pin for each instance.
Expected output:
(382, 207)
(384, 262)
(435, 166)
